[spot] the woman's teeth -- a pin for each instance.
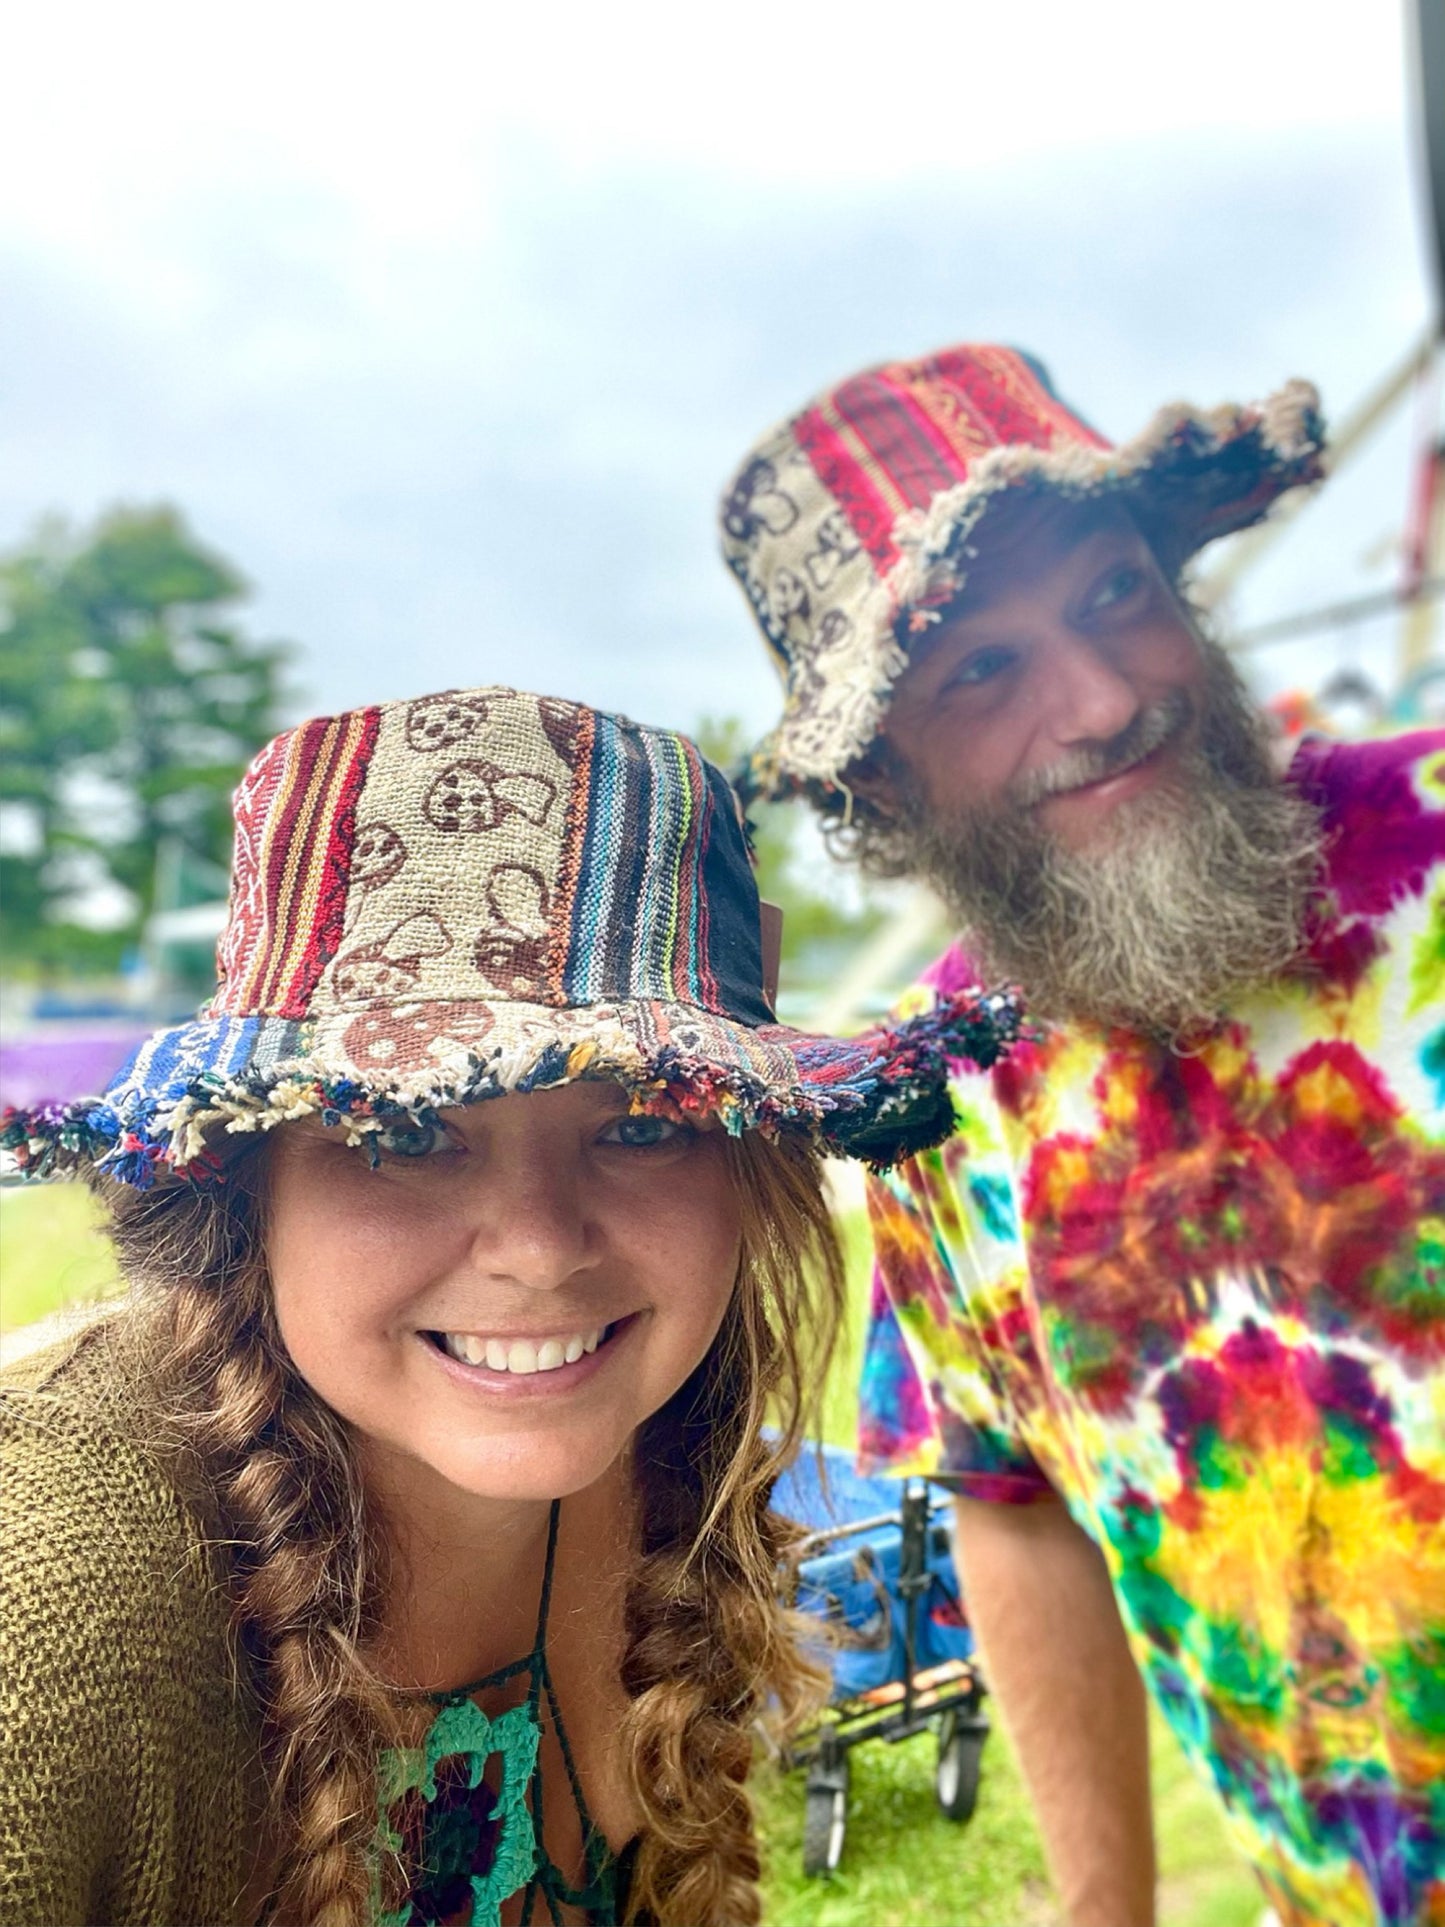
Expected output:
(520, 1355)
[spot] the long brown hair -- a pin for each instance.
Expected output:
(708, 1645)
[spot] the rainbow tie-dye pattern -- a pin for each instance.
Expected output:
(1202, 1298)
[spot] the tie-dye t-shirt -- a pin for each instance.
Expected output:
(1201, 1297)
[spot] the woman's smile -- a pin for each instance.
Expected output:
(528, 1367)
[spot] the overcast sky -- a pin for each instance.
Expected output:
(447, 329)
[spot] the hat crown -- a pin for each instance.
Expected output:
(815, 515)
(486, 846)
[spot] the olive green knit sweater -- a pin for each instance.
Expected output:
(129, 1756)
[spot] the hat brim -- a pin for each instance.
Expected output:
(192, 1093)
(1193, 475)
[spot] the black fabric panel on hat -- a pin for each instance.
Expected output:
(734, 950)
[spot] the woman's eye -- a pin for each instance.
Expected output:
(414, 1139)
(981, 667)
(640, 1133)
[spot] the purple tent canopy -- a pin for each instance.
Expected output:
(63, 1065)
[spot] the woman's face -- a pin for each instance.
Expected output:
(505, 1301)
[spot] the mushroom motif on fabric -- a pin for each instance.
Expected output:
(512, 952)
(756, 503)
(412, 1037)
(805, 681)
(836, 544)
(559, 722)
(441, 722)
(376, 856)
(474, 796)
(788, 597)
(392, 965)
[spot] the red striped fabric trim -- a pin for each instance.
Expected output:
(901, 439)
(333, 865)
(897, 437)
(243, 937)
(299, 877)
(1006, 399)
(264, 872)
(859, 497)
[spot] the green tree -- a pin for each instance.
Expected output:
(129, 705)
(819, 926)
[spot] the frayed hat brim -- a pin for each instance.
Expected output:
(192, 1094)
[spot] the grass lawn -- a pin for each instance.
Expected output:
(50, 1253)
(904, 1864)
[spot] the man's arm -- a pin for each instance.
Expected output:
(1040, 1602)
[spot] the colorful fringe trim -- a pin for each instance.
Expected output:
(887, 1105)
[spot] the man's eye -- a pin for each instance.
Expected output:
(641, 1133)
(1119, 585)
(413, 1139)
(982, 666)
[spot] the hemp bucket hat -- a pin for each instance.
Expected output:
(850, 525)
(439, 901)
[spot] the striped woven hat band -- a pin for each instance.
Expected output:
(485, 843)
(858, 511)
(892, 439)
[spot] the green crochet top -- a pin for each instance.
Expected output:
(470, 1797)
(133, 1786)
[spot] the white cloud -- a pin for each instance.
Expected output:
(113, 114)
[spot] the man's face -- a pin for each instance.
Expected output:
(1081, 776)
(1067, 683)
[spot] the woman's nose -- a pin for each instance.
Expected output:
(531, 1222)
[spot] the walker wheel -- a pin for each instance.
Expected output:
(960, 1760)
(825, 1817)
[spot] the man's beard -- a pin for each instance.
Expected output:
(1198, 890)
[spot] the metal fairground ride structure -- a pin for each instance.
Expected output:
(1413, 688)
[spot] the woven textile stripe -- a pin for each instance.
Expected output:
(693, 910)
(1001, 399)
(561, 940)
(302, 865)
(871, 509)
(896, 437)
(655, 958)
(681, 889)
(172, 1060)
(888, 417)
(636, 923)
(589, 965)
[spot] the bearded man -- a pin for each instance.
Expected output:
(1168, 1309)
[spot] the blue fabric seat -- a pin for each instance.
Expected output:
(853, 1583)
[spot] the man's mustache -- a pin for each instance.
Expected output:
(1149, 731)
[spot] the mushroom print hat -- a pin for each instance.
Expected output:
(437, 901)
